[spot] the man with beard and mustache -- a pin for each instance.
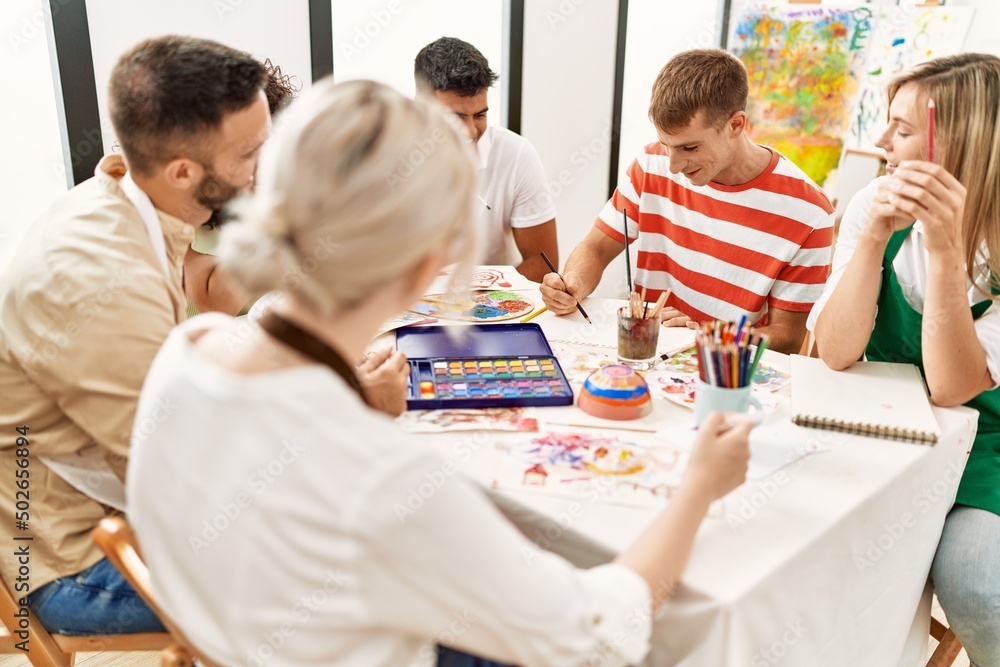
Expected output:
(90, 297)
(205, 283)
(383, 374)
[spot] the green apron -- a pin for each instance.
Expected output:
(896, 338)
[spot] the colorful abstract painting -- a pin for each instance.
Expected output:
(818, 74)
(591, 466)
(902, 36)
(680, 388)
(685, 363)
(489, 306)
(804, 66)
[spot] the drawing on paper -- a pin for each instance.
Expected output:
(483, 419)
(579, 361)
(685, 363)
(594, 465)
(901, 37)
(489, 306)
(485, 278)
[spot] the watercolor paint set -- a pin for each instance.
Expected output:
(482, 366)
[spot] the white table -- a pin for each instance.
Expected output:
(822, 563)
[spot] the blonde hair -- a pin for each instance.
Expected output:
(712, 80)
(362, 185)
(966, 93)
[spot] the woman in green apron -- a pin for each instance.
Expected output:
(914, 280)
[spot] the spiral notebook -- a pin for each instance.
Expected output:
(878, 399)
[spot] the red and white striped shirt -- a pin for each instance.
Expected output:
(724, 250)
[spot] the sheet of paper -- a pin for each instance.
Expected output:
(485, 277)
(592, 466)
(486, 419)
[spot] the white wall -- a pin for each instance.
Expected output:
(569, 66)
(657, 31)
(279, 31)
(568, 76)
(569, 60)
(378, 39)
(983, 36)
(31, 171)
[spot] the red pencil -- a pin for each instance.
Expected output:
(930, 130)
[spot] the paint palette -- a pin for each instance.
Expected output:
(488, 306)
(482, 367)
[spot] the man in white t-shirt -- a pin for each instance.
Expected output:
(518, 211)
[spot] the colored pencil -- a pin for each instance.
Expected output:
(533, 315)
(930, 130)
(756, 359)
(723, 352)
(553, 270)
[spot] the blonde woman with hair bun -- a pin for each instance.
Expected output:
(310, 530)
(915, 279)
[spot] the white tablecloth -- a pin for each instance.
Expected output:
(823, 563)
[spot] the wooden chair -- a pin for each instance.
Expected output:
(948, 646)
(55, 650)
(117, 540)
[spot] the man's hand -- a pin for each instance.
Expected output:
(671, 317)
(561, 294)
(383, 377)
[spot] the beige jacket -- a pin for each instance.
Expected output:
(84, 307)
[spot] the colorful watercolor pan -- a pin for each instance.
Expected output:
(482, 367)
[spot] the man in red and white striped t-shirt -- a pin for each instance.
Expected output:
(729, 226)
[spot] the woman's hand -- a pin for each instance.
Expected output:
(720, 458)
(383, 377)
(884, 217)
(927, 192)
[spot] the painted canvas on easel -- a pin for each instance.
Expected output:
(804, 66)
(902, 36)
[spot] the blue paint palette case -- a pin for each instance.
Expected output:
(482, 366)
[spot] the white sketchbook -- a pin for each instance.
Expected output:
(879, 399)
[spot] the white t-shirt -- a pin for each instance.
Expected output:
(910, 267)
(514, 187)
(286, 523)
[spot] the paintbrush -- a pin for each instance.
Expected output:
(628, 261)
(659, 302)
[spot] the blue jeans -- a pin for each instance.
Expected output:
(966, 575)
(449, 657)
(97, 601)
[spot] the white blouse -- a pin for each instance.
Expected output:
(910, 266)
(286, 523)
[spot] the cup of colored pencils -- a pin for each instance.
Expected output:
(639, 330)
(728, 355)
